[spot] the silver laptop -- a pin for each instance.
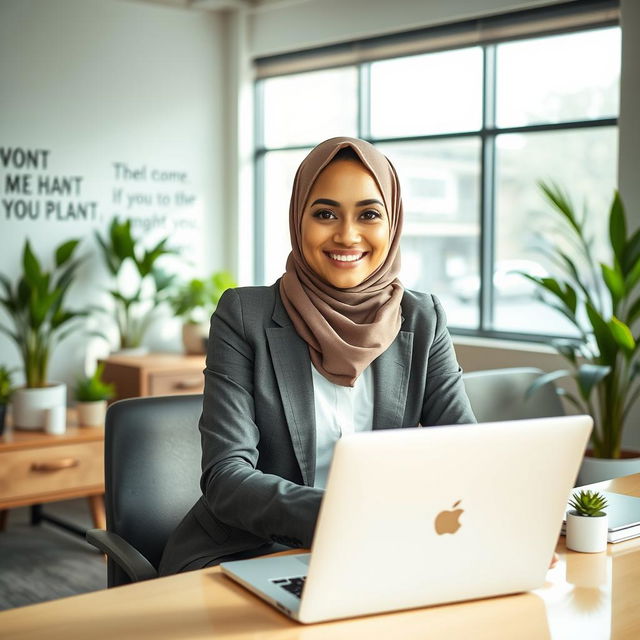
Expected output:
(416, 517)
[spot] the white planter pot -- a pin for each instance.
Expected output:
(30, 406)
(193, 337)
(587, 534)
(91, 414)
(598, 469)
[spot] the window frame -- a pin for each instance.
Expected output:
(487, 135)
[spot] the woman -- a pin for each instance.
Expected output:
(335, 345)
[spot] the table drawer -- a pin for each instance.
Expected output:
(162, 384)
(43, 470)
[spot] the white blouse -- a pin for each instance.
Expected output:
(339, 410)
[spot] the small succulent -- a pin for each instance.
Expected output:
(5, 384)
(588, 503)
(93, 388)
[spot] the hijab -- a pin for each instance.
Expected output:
(345, 329)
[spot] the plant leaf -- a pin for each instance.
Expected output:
(65, 251)
(614, 280)
(622, 335)
(546, 378)
(588, 376)
(602, 333)
(617, 228)
(31, 266)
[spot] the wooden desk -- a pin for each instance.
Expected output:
(36, 467)
(586, 596)
(154, 374)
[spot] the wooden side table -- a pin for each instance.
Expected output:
(154, 374)
(37, 468)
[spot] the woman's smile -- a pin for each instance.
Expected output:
(345, 226)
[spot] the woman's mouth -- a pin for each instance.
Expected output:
(345, 259)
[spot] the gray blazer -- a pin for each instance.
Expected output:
(258, 422)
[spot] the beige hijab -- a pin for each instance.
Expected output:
(346, 329)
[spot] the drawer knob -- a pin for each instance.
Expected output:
(55, 465)
(191, 384)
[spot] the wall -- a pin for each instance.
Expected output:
(91, 84)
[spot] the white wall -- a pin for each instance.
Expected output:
(94, 83)
(300, 25)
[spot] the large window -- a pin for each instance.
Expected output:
(471, 130)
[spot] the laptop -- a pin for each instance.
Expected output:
(422, 516)
(623, 514)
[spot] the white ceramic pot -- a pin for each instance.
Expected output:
(193, 337)
(598, 469)
(91, 414)
(587, 534)
(30, 406)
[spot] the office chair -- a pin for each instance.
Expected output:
(152, 476)
(501, 394)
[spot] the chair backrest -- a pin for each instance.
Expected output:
(152, 471)
(501, 394)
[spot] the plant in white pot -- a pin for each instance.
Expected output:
(140, 286)
(587, 522)
(194, 301)
(40, 319)
(601, 300)
(6, 389)
(91, 394)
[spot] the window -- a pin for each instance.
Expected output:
(471, 130)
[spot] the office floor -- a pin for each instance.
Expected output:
(44, 562)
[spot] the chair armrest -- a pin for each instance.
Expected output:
(128, 558)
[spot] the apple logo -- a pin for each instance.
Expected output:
(448, 521)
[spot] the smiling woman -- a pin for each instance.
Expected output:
(335, 346)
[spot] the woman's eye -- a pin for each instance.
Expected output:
(371, 214)
(323, 214)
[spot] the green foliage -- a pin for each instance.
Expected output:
(602, 303)
(588, 503)
(93, 388)
(6, 384)
(35, 304)
(134, 313)
(196, 300)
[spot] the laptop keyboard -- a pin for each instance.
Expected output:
(292, 585)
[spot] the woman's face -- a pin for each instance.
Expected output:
(345, 225)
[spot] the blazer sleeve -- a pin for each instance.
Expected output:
(236, 492)
(445, 398)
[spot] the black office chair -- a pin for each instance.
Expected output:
(501, 394)
(152, 475)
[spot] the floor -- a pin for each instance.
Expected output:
(39, 563)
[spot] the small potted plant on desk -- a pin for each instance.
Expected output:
(5, 394)
(587, 524)
(91, 395)
(194, 301)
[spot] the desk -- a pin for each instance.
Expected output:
(586, 596)
(36, 467)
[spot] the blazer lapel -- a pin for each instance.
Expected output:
(292, 365)
(391, 382)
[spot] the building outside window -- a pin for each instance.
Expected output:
(471, 130)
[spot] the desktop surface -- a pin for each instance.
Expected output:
(585, 596)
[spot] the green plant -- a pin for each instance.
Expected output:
(588, 503)
(135, 312)
(6, 384)
(36, 306)
(601, 302)
(194, 301)
(93, 388)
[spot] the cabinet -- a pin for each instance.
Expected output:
(154, 374)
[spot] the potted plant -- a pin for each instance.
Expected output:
(587, 523)
(36, 306)
(194, 301)
(140, 285)
(91, 395)
(602, 302)
(5, 394)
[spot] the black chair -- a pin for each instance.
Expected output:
(152, 475)
(501, 394)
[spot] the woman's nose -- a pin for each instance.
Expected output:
(347, 233)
